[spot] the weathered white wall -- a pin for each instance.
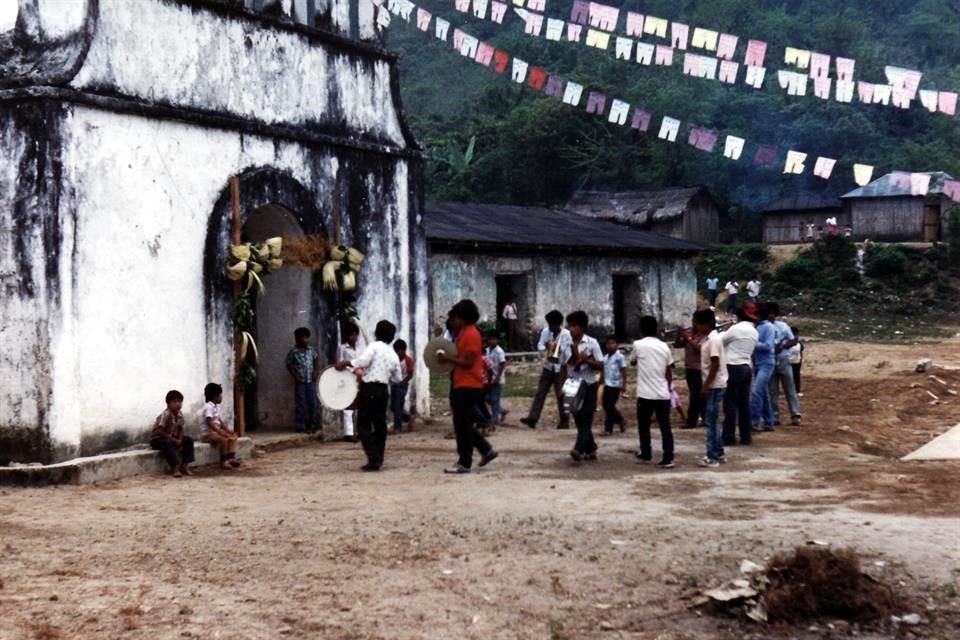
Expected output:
(567, 283)
(172, 53)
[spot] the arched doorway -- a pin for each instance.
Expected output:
(286, 305)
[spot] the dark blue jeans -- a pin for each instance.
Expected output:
(494, 393)
(307, 410)
(714, 434)
(760, 409)
(736, 404)
(398, 398)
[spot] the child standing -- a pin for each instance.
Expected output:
(614, 383)
(496, 366)
(168, 437)
(380, 367)
(214, 431)
(796, 358)
(348, 351)
(586, 359)
(398, 390)
(303, 363)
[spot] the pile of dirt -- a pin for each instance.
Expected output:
(814, 583)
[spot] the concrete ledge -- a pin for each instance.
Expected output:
(109, 466)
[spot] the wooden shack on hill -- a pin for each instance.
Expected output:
(551, 259)
(682, 213)
(886, 210)
(786, 220)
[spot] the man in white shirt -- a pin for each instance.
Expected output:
(713, 284)
(783, 369)
(553, 338)
(753, 289)
(654, 361)
(586, 359)
(739, 341)
(510, 322)
(713, 364)
(733, 290)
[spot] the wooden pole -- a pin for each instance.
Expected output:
(235, 237)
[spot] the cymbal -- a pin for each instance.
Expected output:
(338, 389)
(435, 347)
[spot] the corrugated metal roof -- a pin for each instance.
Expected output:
(635, 207)
(492, 224)
(884, 187)
(804, 201)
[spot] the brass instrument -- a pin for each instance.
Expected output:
(553, 350)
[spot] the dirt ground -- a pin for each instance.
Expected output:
(301, 544)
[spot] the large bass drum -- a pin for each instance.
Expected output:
(574, 393)
(338, 389)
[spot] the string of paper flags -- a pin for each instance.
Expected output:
(622, 113)
(596, 25)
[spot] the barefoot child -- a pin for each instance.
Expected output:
(214, 431)
(168, 438)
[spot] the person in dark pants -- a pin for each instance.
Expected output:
(303, 363)
(614, 383)
(468, 388)
(381, 367)
(739, 341)
(654, 360)
(554, 342)
(586, 359)
(168, 437)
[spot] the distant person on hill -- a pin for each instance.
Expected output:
(753, 289)
(713, 284)
(739, 341)
(733, 291)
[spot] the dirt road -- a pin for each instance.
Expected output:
(300, 544)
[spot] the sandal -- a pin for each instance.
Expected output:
(186, 470)
(176, 473)
(226, 465)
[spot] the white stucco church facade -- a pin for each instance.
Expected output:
(121, 125)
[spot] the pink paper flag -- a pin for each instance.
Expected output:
(728, 71)
(865, 91)
(845, 69)
(458, 36)
(664, 55)
(951, 189)
(902, 98)
(423, 19)
(756, 52)
(727, 46)
(919, 184)
(497, 11)
(947, 102)
(534, 24)
(484, 54)
(641, 120)
(822, 87)
(463, 6)
(819, 65)
(634, 24)
(691, 64)
(536, 5)
(900, 180)
(580, 13)
(703, 139)
(766, 156)
(679, 35)
(824, 168)
(573, 32)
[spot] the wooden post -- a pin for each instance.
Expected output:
(235, 237)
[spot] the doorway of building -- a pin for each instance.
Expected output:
(627, 306)
(280, 311)
(931, 223)
(519, 287)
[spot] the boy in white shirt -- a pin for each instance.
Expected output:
(348, 351)
(733, 290)
(614, 383)
(381, 366)
(586, 359)
(214, 431)
(713, 364)
(654, 360)
(497, 369)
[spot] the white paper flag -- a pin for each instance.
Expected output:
(755, 76)
(733, 148)
(645, 53)
(519, 74)
(624, 48)
(618, 112)
(845, 89)
(669, 129)
(795, 161)
(573, 93)
(554, 29)
(824, 167)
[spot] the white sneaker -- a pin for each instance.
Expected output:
(709, 462)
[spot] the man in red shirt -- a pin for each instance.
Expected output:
(468, 388)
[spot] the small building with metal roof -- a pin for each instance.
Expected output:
(886, 209)
(554, 259)
(796, 217)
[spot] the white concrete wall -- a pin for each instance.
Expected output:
(180, 55)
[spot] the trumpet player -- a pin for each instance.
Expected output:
(555, 345)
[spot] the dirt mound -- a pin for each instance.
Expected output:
(814, 583)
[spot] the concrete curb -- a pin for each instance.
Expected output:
(109, 466)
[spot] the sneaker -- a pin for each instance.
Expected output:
(795, 421)
(666, 464)
(369, 467)
(457, 469)
(530, 423)
(642, 458)
(709, 462)
(490, 457)
(576, 455)
(722, 459)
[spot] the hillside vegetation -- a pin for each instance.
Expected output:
(532, 149)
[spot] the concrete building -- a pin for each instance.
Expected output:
(785, 220)
(122, 123)
(682, 213)
(552, 259)
(885, 210)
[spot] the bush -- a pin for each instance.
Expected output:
(734, 261)
(885, 262)
(799, 274)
